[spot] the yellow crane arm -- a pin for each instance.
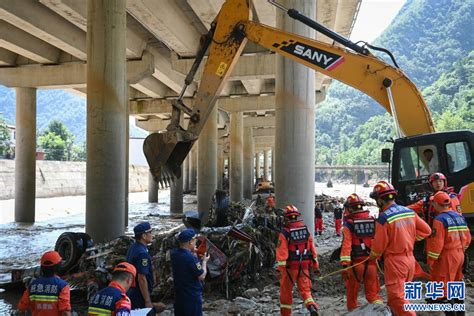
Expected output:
(226, 40)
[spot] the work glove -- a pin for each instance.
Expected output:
(315, 265)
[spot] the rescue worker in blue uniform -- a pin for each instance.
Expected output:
(48, 295)
(139, 257)
(188, 274)
(112, 300)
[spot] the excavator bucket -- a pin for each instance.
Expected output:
(165, 152)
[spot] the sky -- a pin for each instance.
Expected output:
(374, 16)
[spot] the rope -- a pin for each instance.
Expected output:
(378, 266)
(343, 269)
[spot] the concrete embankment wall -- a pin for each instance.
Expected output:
(62, 178)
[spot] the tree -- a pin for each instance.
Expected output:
(5, 143)
(57, 141)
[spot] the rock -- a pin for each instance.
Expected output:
(245, 303)
(254, 292)
(371, 310)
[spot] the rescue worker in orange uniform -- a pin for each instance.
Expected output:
(48, 295)
(113, 299)
(338, 214)
(318, 219)
(396, 230)
(424, 207)
(449, 239)
(295, 254)
(358, 232)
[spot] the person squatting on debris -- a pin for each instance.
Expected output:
(48, 295)
(113, 299)
(338, 218)
(318, 219)
(424, 207)
(138, 256)
(396, 230)
(295, 254)
(188, 274)
(449, 239)
(358, 232)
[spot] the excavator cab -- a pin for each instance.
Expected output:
(415, 158)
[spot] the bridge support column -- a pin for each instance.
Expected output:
(193, 167)
(176, 195)
(366, 179)
(266, 162)
(272, 173)
(152, 190)
(248, 163)
(257, 165)
(329, 183)
(207, 166)
(236, 156)
(294, 130)
(185, 173)
(106, 119)
(220, 167)
(25, 155)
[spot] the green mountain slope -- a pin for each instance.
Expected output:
(427, 39)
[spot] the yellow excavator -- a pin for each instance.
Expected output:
(352, 64)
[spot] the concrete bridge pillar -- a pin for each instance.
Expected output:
(272, 173)
(220, 167)
(248, 163)
(185, 173)
(25, 155)
(106, 119)
(366, 179)
(329, 183)
(294, 130)
(176, 195)
(193, 167)
(236, 156)
(152, 190)
(257, 165)
(207, 166)
(266, 163)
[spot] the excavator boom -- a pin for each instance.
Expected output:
(386, 84)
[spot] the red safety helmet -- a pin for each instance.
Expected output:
(381, 189)
(354, 203)
(438, 176)
(50, 258)
(292, 212)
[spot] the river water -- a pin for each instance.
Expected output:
(21, 245)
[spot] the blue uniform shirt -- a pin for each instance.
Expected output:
(138, 256)
(186, 270)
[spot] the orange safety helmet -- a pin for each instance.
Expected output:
(438, 176)
(381, 189)
(354, 203)
(292, 212)
(50, 258)
(126, 267)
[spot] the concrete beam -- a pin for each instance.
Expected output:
(45, 24)
(229, 104)
(259, 121)
(68, 75)
(23, 43)
(152, 87)
(166, 21)
(265, 12)
(264, 140)
(206, 10)
(75, 11)
(253, 86)
(248, 67)
(259, 132)
(7, 58)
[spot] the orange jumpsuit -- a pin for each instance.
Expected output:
(357, 238)
(396, 230)
(446, 245)
(294, 265)
(424, 208)
(46, 296)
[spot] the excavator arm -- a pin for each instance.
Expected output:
(388, 85)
